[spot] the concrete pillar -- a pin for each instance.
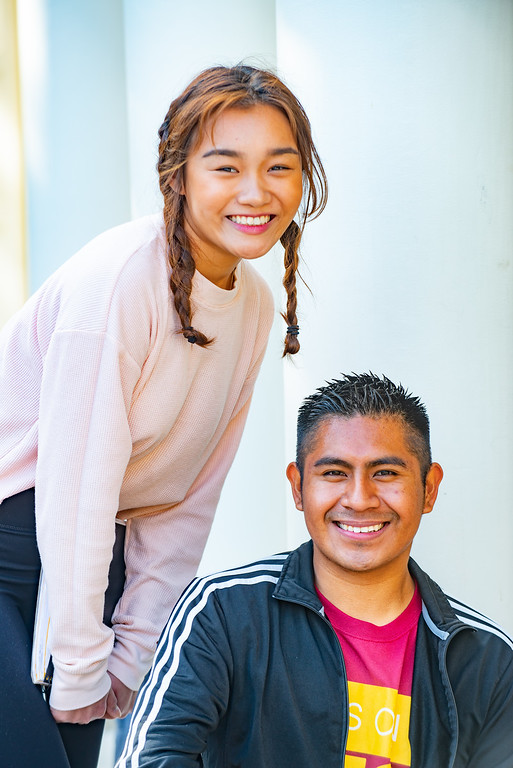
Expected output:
(166, 45)
(12, 202)
(74, 125)
(410, 265)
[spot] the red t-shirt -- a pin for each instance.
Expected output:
(379, 665)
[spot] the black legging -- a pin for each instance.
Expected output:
(29, 736)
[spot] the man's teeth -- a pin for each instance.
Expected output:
(251, 221)
(363, 529)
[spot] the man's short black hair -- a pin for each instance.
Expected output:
(364, 394)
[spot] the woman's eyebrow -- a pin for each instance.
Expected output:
(234, 153)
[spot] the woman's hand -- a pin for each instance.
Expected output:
(85, 715)
(125, 698)
(118, 702)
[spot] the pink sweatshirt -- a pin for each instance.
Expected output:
(108, 412)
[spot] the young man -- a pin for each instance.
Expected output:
(343, 652)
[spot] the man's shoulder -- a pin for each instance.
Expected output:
(446, 615)
(260, 573)
(478, 621)
(271, 565)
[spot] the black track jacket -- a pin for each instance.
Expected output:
(250, 674)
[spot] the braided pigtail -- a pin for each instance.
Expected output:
(182, 272)
(181, 285)
(290, 241)
(178, 246)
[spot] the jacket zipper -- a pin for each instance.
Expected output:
(448, 687)
(343, 665)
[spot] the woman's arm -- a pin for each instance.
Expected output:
(84, 448)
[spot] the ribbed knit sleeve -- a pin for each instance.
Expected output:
(85, 447)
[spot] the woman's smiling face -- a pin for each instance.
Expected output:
(243, 184)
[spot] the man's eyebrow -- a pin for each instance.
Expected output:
(332, 460)
(395, 461)
(234, 153)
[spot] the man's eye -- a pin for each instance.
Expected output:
(334, 473)
(386, 473)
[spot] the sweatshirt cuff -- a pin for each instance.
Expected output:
(130, 664)
(71, 691)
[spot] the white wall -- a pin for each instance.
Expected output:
(12, 191)
(410, 265)
(166, 45)
(74, 125)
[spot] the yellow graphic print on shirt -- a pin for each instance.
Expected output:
(379, 720)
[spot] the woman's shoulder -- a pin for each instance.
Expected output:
(129, 254)
(113, 249)
(121, 271)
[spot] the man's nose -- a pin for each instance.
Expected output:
(359, 494)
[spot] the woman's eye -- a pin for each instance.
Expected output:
(280, 168)
(227, 169)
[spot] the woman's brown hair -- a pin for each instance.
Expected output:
(204, 99)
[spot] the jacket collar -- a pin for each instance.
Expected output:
(296, 584)
(438, 613)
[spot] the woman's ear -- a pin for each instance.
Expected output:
(294, 477)
(177, 182)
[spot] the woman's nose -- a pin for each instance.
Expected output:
(253, 190)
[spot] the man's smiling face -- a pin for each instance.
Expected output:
(362, 495)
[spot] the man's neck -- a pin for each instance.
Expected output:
(376, 598)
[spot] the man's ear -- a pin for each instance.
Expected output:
(433, 480)
(294, 478)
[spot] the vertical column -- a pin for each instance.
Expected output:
(410, 265)
(166, 45)
(74, 125)
(12, 239)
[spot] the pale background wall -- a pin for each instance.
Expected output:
(12, 204)
(410, 265)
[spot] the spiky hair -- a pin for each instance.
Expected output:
(364, 394)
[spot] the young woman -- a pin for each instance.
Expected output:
(125, 383)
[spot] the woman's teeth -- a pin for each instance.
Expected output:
(250, 221)
(363, 529)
